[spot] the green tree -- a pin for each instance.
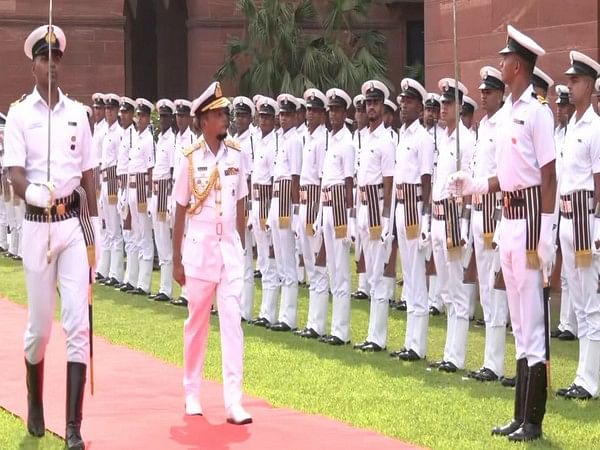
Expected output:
(289, 47)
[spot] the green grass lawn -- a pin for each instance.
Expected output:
(401, 400)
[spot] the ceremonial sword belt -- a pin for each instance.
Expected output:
(371, 195)
(335, 198)
(309, 196)
(162, 190)
(409, 195)
(139, 182)
(447, 210)
(526, 204)
(109, 175)
(577, 206)
(282, 190)
(262, 193)
(61, 209)
(486, 203)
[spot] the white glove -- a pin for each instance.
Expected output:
(464, 231)
(424, 236)
(462, 183)
(386, 229)
(546, 248)
(596, 240)
(97, 225)
(38, 195)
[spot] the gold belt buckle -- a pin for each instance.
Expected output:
(60, 209)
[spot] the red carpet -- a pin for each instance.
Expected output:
(138, 404)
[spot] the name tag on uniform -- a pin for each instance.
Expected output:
(232, 171)
(519, 122)
(72, 124)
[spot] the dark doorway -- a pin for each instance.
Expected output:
(415, 48)
(156, 48)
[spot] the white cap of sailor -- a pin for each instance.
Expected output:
(111, 100)
(211, 98)
(469, 105)
(491, 78)
(359, 102)
(98, 100)
(374, 90)
(432, 100)
(597, 87)
(243, 105)
(40, 41)
(143, 106)
(165, 107)
(412, 88)
(267, 106)
(390, 105)
(315, 99)
(522, 45)
(337, 97)
(541, 79)
(449, 86)
(256, 99)
(287, 103)
(302, 102)
(88, 111)
(562, 94)
(183, 107)
(583, 65)
(127, 104)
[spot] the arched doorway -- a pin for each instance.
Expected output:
(156, 48)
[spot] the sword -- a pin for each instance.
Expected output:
(48, 185)
(546, 299)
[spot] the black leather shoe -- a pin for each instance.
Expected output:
(360, 345)
(505, 430)
(480, 323)
(99, 277)
(324, 338)
(161, 297)
(527, 432)
(566, 336)
(555, 333)
(309, 333)
(436, 364)
(359, 295)
(448, 367)
(17, 258)
(261, 322)
(578, 393)
(508, 381)
(334, 340)
(126, 287)
(257, 274)
(372, 347)
(409, 355)
(484, 374)
(280, 326)
(111, 282)
(396, 353)
(181, 301)
(433, 311)
(75, 386)
(138, 291)
(213, 310)
(35, 403)
(563, 391)
(401, 306)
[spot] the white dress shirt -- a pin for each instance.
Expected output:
(414, 154)
(338, 163)
(313, 153)
(377, 157)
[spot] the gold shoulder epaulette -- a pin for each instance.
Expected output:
(233, 144)
(542, 100)
(195, 146)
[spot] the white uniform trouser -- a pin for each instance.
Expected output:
(103, 266)
(493, 301)
(318, 295)
(15, 214)
(141, 227)
(417, 306)
(131, 249)
(375, 258)
(3, 224)
(583, 283)
(435, 298)
(454, 295)
(285, 256)
(200, 296)
(248, 292)
(164, 247)
(338, 266)
(268, 268)
(524, 292)
(568, 320)
(113, 234)
(68, 270)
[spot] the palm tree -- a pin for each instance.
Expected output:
(288, 47)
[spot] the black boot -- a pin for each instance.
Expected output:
(520, 391)
(35, 402)
(75, 388)
(535, 405)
